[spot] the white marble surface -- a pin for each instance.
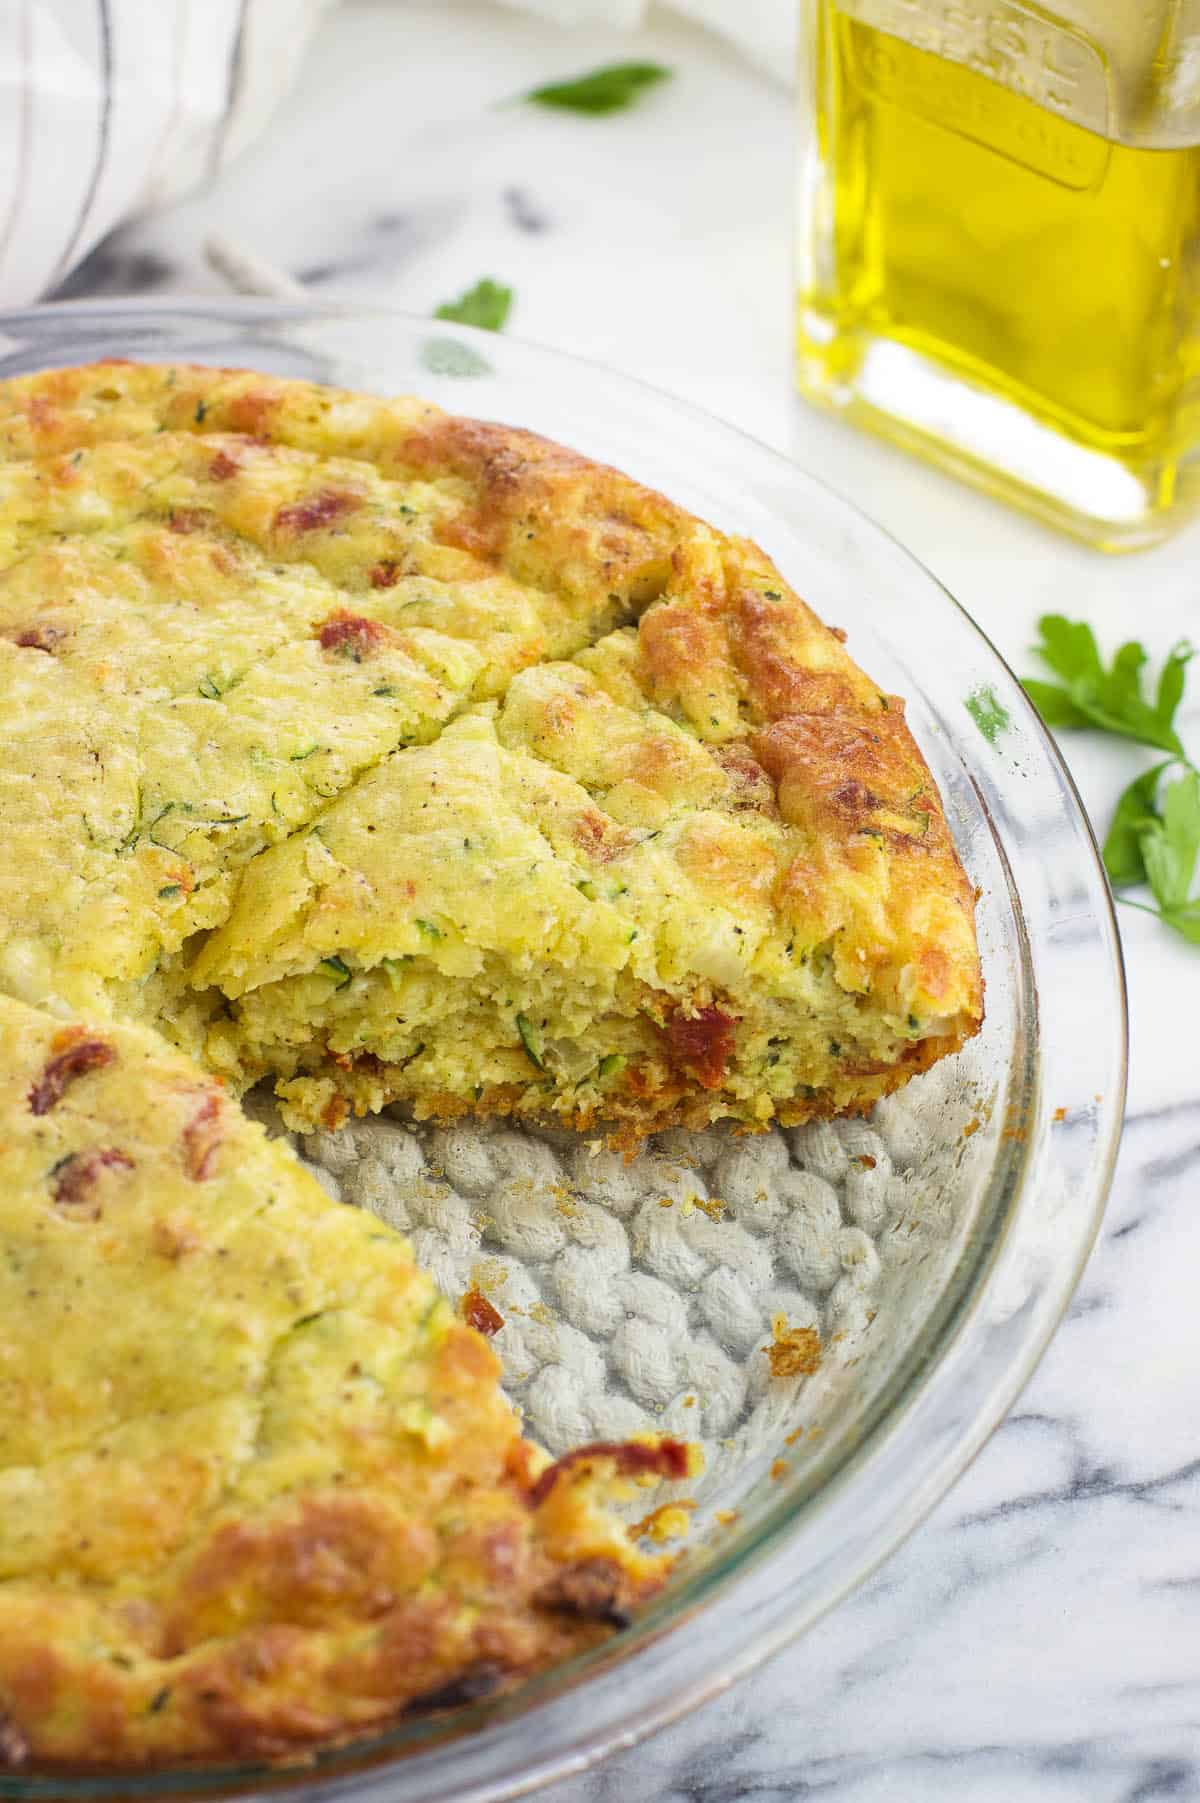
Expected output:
(1038, 1641)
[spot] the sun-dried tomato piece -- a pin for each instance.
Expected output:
(38, 638)
(479, 1313)
(632, 1458)
(385, 573)
(703, 1043)
(350, 635)
(81, 1056)
(76, 1178)
(222, 467)
(203, 1137)
(318, 510)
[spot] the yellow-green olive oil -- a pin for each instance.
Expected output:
(971, 231)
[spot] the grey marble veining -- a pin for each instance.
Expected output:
(1038, 1639)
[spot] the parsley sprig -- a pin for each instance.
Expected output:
(486, 305)
(1154, 837)
(606, 90)
(1112, 698)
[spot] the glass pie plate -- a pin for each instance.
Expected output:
(934, 1247)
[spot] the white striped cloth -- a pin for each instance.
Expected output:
(109, 106)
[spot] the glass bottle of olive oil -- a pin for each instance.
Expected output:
(999, 245)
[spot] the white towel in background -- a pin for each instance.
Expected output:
(110, 106)
(107, 106)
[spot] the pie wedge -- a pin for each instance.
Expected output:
(259, 1488)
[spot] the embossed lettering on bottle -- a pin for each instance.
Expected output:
(1009, 51)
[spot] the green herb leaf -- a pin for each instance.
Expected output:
(1155, 838)
(429, 929)
(1112, 699)
(1171, 841)
(1069, 647)
(337, 967)
(1135, 813)
(606, 90)
(531, 1040)
(989, 714)
(486, 305)
(612, 1064)
(1171, 681)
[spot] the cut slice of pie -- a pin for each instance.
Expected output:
(258, 1485)
(570, 903)
(400, 757)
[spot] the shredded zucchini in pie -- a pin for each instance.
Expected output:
(391, 757)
